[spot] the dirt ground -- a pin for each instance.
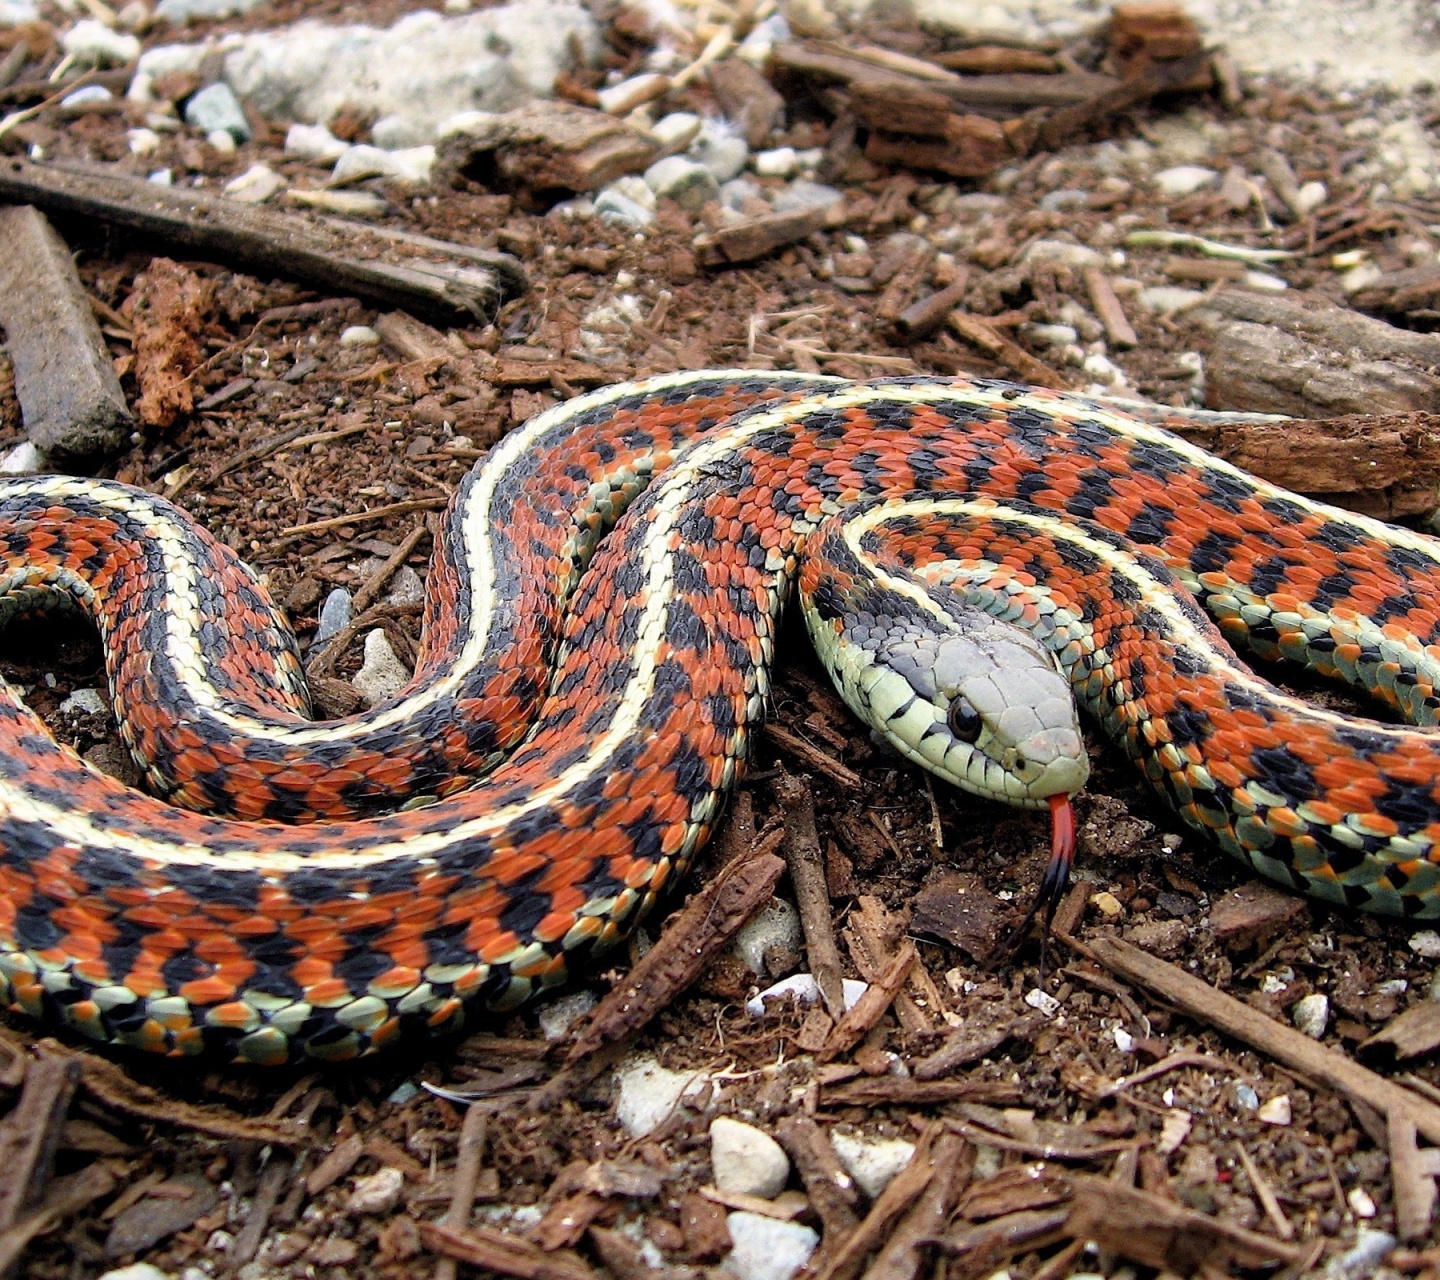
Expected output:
(402, 431)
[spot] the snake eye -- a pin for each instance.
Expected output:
(964, 721)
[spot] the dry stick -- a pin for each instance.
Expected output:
(691, 938)
(812, 897)
(830, 1189)
(378, 580)
(510, 1255)
(1284, 1228)
(904, 1252)
(981, 333)
(900, 1193)
(809, 754)
(31, 1133)
(365, 517)
(284, 243)
(267, 1195)
(870, 1008)
(467, 1177)
(1107, 306)
(1412, 1173)
(1291, 1047)
(927, 315)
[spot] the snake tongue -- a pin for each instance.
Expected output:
(1052, 886)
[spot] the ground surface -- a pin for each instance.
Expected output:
(888, 837)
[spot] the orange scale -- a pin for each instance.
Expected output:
(81, 946)
(507, 868)
(554, 926)
(95, 971)
(207, 991)
(444, 1014)
(402, 977)
(386, 1034)
(233, 1013)
(187, 1043)
(253, 927)
(329, 994)
(311, 971)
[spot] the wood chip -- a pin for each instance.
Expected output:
(989, 339)
(899, 1092)
(1156, 1232)
(690, 939)
(871, 1006)
(905, 1252)
(1107, 306)
(755, 237)
(807, 878)
(69, 395)
(1411, 1033)
(807, 753)
(30, 1134)
(500, 1251)
(830, 1188)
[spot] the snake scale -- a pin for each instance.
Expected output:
(607, 689)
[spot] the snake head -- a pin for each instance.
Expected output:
(983, 706)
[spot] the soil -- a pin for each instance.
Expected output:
(411, 428)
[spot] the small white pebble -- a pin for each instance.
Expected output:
(359, 335)
(1275, 1111)
(1107, 904)
(1124, 1041)
(378, 1193)
(1361, 1205)
(779, 162)
(1311, 1015)
(1425, 943)
(1042, 1000)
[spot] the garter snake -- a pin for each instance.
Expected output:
(138, 922)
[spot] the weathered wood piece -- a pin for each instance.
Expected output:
(332, 255)
(755, 237)
(69, 395)
(1308, 358)
(31, 1133)
(546, 146)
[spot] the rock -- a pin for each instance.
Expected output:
(411, 165)
(803, 990)
(1065, 199)
(1184, 179)
(1062, 253)
(378, 1193)
(737, 191)
(682, 180)
(1159, 937)
(1310, 197)
(83, 702)
(1275, 1110)
(382, 674)
(1168, 299)
(1426, 943)
(23, 460)
(805, 194)
(1311, 1014)
(143, 142)
(648, 1093)
(339, 606)
(180, 12)
(221, 142)
(670, 129)
(406, 587)
(314, 142)
(613, 205)
(558, 1016)
(872, 1162)
(767, 1249)
(256, 185)
(780, 162)
(155, 1218)
(92, 44)
(720, 150)
(1363, 1257)
(14, 13)
(1251, 912)
(216, 108)
(775, 927)
(136, 1271)
(416, 73)
(746, 1160)
(88, 94)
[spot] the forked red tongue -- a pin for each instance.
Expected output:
(1062, 834)
(1052, 885)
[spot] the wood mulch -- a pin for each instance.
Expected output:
(1146, 1101)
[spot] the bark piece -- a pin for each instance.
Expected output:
(983, 334)
(157, 1217)
(67, 1196)
(1251, 912)
(67, 388)
(709, 920)
(1413, 1032)
(1308, 358)
(399, 269)
(500, 1251)
(168, 311)
(1416, 289)
(959, 909)
(702, 1221)
(1157, 1232)
(807, 878)
(962, 146)
(907, 1248)
(1118, 328)
(871, 1006)
(1140, 35)
(747, 99)
(545, 147)
(31, 1133)
(755, 237)
(831, 1190)
(895, 1091)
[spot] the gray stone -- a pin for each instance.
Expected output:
(406, 587)
(612, 205)
(746, 1160)
(23, 460)
(410, 165)
(314, 142)
(69, 395)
(1311, 1014)
(217, 108)
(1184, 179)
(767, 1249)
(720, 150)
(338, 609)
(872, 1162)
(256, 185)
(648, 1093)
(678, 178)
(180, 12)
(93, 44)
(558, 1016)
(381, 674)
(377, 1193)
(805, 194)
(1063, 253)
(83, 702)
(1064, 199)
(776, 926)
(1169, 299)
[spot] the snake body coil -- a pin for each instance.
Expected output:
(137, 922)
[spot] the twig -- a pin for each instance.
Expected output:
(1284, 1228)
(904, 1252)
(378, 580)
(830, 1189)
(1118, 328)
(365, 517)
(467, 1176)
(31, 1134)
(500, 1251)
(981, 333)
(870, 1008)
(924, 317)
(1291, 1047)
(807, 877)
(262, 1204)
(809, 754)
